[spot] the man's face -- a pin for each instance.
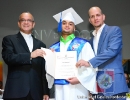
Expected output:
(96, 18)
(68, 27)
(26, 23)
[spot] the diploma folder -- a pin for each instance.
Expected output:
(61, 65)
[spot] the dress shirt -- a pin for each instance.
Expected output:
(96, 38)
(29, 40)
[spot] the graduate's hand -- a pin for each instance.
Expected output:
(53, 50)
(90, 96)
(45, 97)
(82, 63)
(73, 80)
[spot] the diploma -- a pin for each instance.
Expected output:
(61, 65)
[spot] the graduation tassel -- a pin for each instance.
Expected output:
(60, 24)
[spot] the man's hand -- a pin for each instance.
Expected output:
(37, 53)
(90, 96)
(45, 97)
(73, 80)
(82, 63)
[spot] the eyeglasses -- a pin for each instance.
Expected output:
(24, 20)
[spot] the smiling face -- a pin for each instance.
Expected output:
(68, 27)
(96, 17)
(26, 23)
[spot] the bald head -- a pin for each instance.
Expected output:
(93, 9)
(96, 17)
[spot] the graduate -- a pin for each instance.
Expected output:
(73, 88)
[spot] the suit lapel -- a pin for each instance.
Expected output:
(35, 43)
(22, 41)
(91, 42)
(102, 38)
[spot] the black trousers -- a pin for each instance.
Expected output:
(28, 97)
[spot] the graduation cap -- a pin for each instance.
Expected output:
(68, 14)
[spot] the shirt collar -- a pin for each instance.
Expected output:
(25, 35)
(70, 37)
(100, 30)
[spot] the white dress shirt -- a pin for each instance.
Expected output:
(29, 40)
(96, 38)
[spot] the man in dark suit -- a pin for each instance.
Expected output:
(26, 78)
(107, 45)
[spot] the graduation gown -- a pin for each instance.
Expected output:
(86, 75)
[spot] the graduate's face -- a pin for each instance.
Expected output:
(68, 27)
(96, 18)
(26, 23)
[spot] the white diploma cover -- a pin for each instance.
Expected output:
(61, 65)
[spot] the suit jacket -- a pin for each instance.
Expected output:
(109, 56)
(24, 74)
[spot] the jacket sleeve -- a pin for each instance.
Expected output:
(44, 79)
(10, 56)
(114, 46)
